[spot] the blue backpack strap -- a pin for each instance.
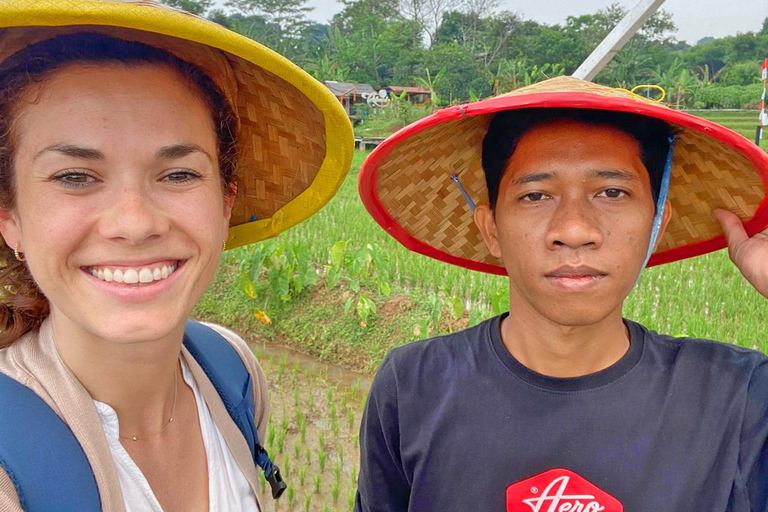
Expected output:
(41, 455)
(228, 374)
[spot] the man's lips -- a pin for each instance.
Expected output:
(581, 271)
(575, 279)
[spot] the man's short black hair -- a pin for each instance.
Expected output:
(507, 127)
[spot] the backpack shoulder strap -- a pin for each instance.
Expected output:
(231, 379)
(41, 455)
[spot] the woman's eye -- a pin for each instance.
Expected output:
(181, 177)
(612, 193)
(75, 179)
(534, 197)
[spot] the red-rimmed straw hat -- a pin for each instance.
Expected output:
(406, 183)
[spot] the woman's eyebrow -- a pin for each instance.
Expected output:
(73, 151)
(179, 150)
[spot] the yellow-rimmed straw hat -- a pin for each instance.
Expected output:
(414, 183)
(295, 140)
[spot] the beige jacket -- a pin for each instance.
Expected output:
(34, 360)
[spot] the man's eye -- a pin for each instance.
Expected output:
(534, 197)
(612, 193)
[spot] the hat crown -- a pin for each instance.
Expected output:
(570, 84)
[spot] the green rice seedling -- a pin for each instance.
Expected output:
(316, 483)
(280, 371)
(302, 475)
(335, 490)
(341, 454)
(326, 509)
(337, 471)
(286, 469)
(284, 420)
(298, 415)
(281, 441)
(351, 498)
(296, 400)
(357, 441)
(303, 429)
(262, 482)
(321, 460)
(332, 411)
(308, 455)
(329, 395)
(335, 428)
(353, 476)
(296, 451)
(350, 419)
(311, 400)
(307, 503)
(270, 435)
(321, 442)
(291, 492)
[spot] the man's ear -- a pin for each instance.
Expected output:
(665, 218)
(10, 228)
(486, 223)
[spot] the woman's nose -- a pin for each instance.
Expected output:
(133, 216)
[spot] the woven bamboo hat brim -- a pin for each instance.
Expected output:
(295, 140)
(406, 182)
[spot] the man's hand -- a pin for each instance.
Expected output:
(750, 254)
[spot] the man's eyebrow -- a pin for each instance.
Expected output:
(612, 174)
(179, 150)
(533, 178)
(73, 151)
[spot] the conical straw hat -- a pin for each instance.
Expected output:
(295, 141)
(406, 182)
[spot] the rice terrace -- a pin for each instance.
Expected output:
(323, 303)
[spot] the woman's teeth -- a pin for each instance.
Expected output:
(134, 275)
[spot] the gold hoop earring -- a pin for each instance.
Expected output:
(224, 246)
(16, 253)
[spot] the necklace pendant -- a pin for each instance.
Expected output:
(135, 438)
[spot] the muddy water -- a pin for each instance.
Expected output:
(336, 374)
(315, 411)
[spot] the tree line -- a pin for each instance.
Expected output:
(468, 49)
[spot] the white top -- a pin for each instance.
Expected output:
(228, 489)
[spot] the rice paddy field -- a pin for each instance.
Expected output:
(341, 292)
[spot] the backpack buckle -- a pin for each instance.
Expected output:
(276, 482)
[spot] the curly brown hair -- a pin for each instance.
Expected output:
(23, 307)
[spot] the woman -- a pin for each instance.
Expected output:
(138, 143)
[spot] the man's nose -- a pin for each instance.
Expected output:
(574, 225)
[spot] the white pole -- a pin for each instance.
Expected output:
(616, 40)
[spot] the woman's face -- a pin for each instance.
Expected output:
(119, 205)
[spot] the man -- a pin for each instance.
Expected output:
(561, 405)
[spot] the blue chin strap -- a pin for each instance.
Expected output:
(660, 204)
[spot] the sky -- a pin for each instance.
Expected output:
(695, 19)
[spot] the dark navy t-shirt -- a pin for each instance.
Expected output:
(457, 424)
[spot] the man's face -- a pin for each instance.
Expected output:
(573, 221)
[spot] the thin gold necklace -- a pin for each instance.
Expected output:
(170, 420)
